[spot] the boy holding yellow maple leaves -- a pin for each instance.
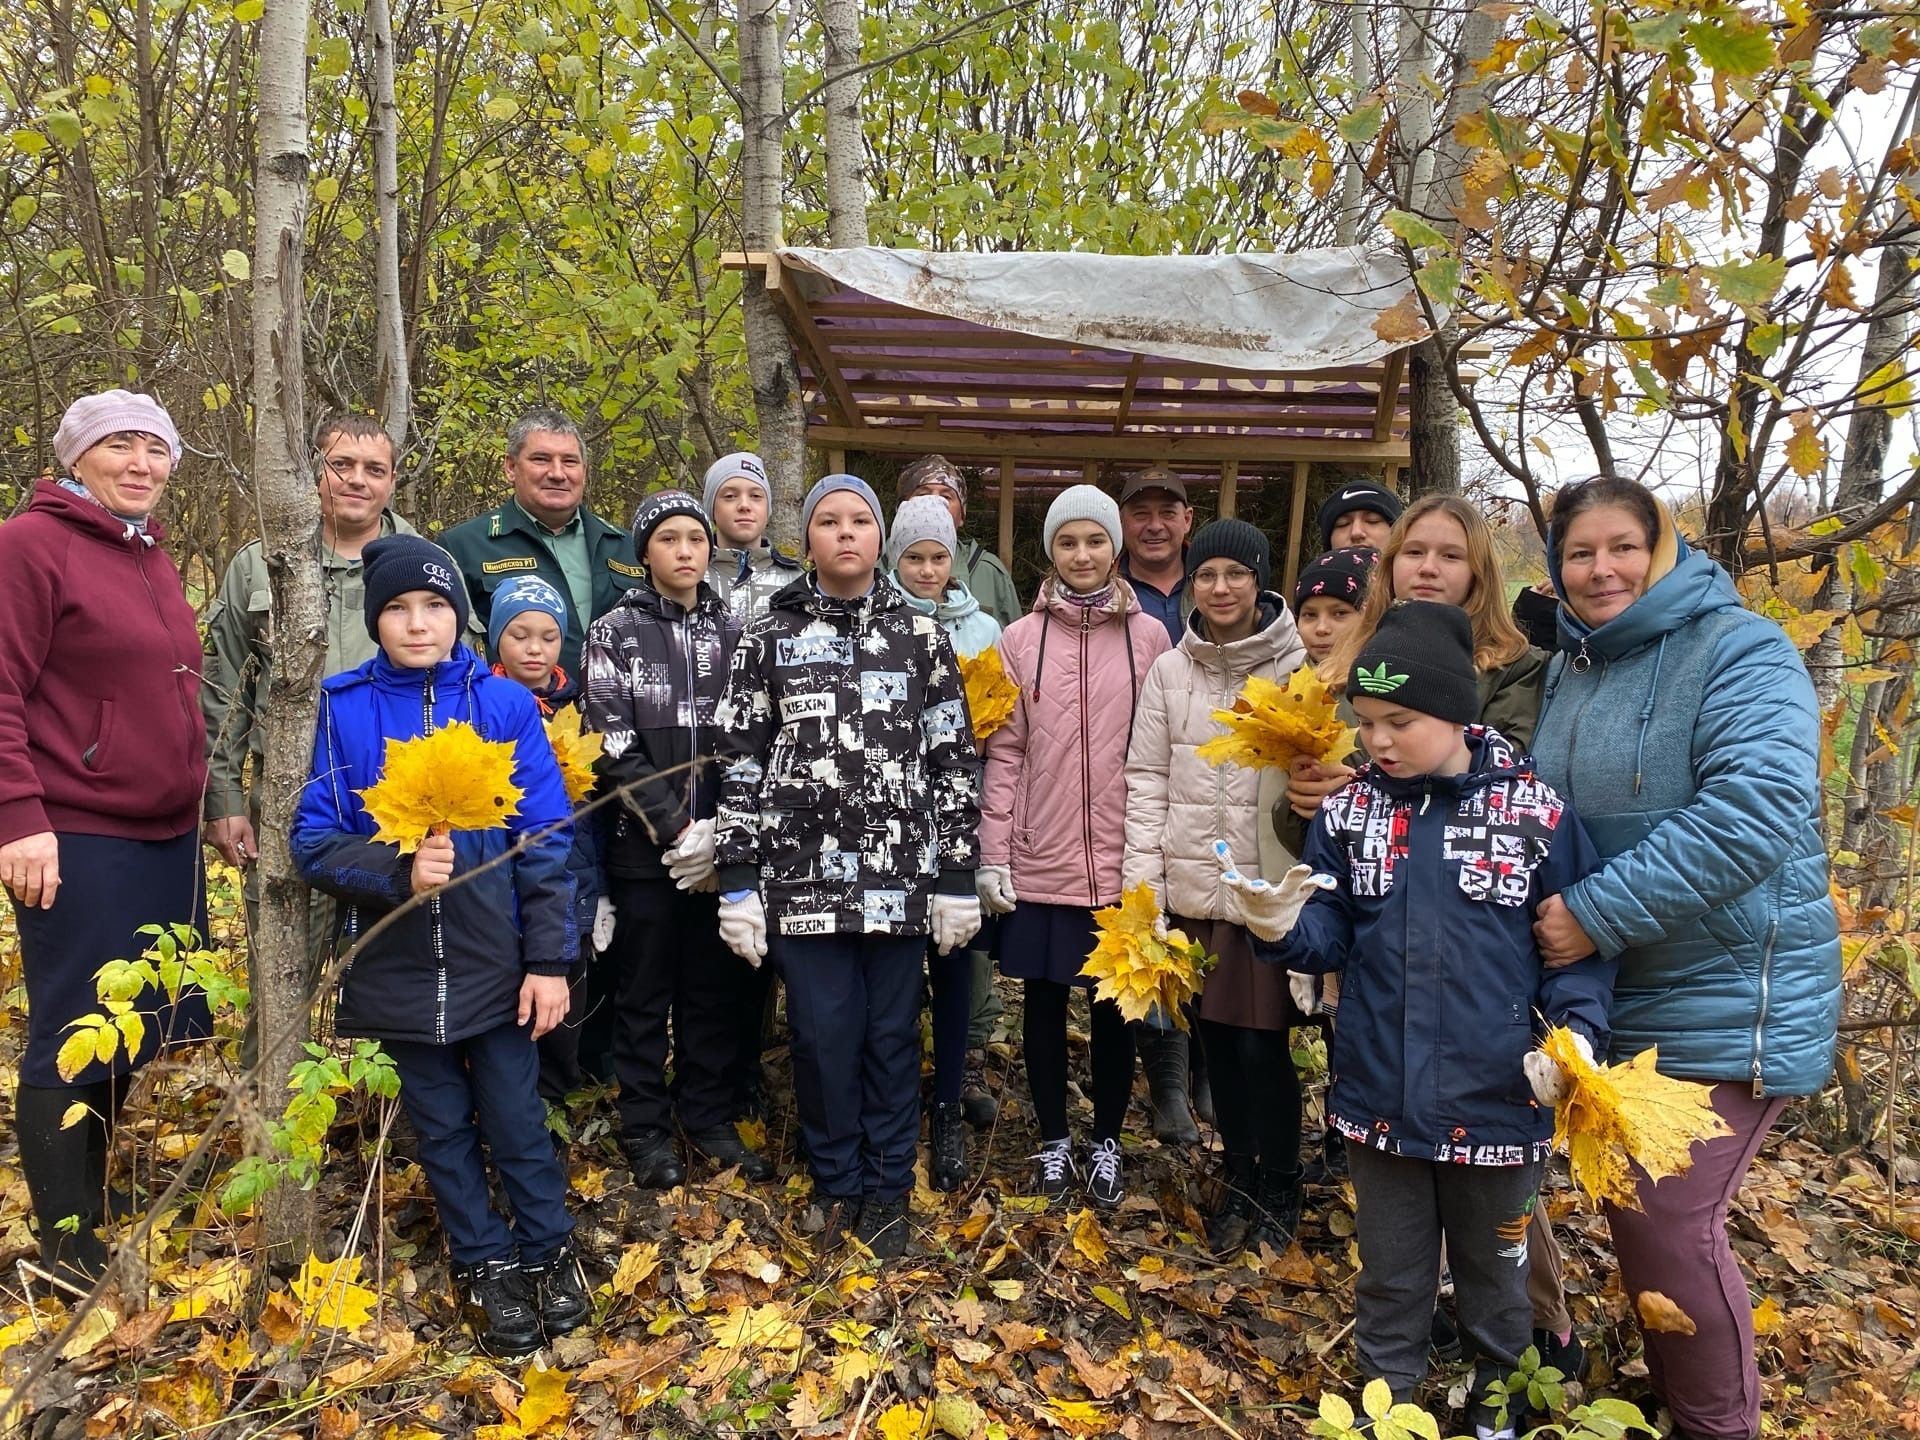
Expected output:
(457, 1009)
(1428, 866)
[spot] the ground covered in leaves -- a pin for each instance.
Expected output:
(1006, 1319)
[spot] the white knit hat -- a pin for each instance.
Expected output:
(741, 465)
(925, 517)
(1082, 502)
(92, 418)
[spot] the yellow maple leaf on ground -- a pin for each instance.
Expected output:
(763, 1327)
(1138, 970)
(991, 696)
(1617, 1116)
(546, 1403)
(330, 1293)
(901, 1422)
(449, 780)
(1270, 725)
(575, 749)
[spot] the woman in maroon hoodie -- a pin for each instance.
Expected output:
(101, 773)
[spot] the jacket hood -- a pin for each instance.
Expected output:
(84, 513)
(642, 598)
(1276, 638)
(804, 595)
(950, 609)
(1685, 584)
(1493, 757)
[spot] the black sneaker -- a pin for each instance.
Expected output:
(496, 1299)
(1104, 1187)
(651, 1156)
(1485, 1423)
(722, 1145)
(883, 1226)
(829, 1219)
(949, 1167)
(1443, 1337)
(1055, 1174)
(560, 1292)
(975, 1098)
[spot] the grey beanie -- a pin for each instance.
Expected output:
(827, 485)
(741, 465)
(1082, 502)
(925, 517)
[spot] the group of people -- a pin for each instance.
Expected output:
(1621, 837)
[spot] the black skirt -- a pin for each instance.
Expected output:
(1046, 942)
(109, 888)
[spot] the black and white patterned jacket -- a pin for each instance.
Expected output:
(852, 788)
(655, 674)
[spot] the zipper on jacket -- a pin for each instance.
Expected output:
(1573, 737)
(438, 938)
(1086, 765)
(1760, 1020)
(693, 711)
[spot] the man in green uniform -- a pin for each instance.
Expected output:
(546, 530)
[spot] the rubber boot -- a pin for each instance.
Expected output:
(56, 1165)
(1163, 1055)
(1202, 1089)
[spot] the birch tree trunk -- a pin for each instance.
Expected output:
(771, 369)
(390, 330)
(845, 136)
(290, 525)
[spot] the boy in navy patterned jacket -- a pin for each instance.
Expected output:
(1429, 865)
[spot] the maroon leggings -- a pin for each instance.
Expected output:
(1677, 1245)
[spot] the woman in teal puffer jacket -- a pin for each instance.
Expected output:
(1684, 728)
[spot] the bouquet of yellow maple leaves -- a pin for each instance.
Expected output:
(575, 748)
(1270, 725)
(1617, 1116)
(449, 780)
(991, 696)
(1139, 969)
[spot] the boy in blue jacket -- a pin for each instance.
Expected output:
(460, 988)
(1429, 864)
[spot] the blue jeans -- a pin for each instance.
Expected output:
(485, 1089)
(853, 1004)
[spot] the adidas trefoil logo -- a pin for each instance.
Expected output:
(1377, 681)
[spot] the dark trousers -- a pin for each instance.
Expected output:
(484, 1089)
(671, 971)
(1256, 1092)
(1044, 1038)
(853, 1003)
(951, 978)
(559, 1048)
(752, 1025)
(1405, 1208)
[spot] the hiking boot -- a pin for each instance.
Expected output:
(949, 1147)
(651, 1156)
(1228, 1225)
(1276, 1210)
(560, 1292)
(884, 1226)
(1569, 1357)
(975, 1098)
(1055, 1174)
(496, 1300)
(1483, 1417)
(829, 1219)
(1104, 1187)
(721, 1144)
(1333, 1149)
(1163, 1055)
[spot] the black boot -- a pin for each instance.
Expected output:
(829, 1219)
(883, 1226)
(975, 1098)
(651, 1157)
(1277, 1206)
(723, 1146)
(1163, 1055)
(59, 1173)
(560, 1292)
(497, 1300)
(949, 1147)
(1202, 1087)
(1227, 1226)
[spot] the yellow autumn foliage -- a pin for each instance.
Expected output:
(449, 780)
(575, 749)
(1138, 970)
(331, 1295)
(1269, 725)
(991, 696)
(1617, 1116)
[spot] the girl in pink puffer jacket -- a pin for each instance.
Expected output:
(1053, 818)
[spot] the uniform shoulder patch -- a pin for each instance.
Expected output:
(622, 568)
(512, 562)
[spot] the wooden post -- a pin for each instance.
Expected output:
(1090, 473)
(1296, 521)
(1229, 488)
(1390, 475)
(1006, 512)
(836, 462)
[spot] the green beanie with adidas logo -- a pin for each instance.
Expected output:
(1421, 657)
